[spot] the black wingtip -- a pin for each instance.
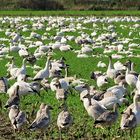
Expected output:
(37, 79)
(30, 128)
(6, 106)
(98, 121)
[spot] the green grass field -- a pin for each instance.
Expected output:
(69, 13)
(82, 127)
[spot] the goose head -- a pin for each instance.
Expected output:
(16, 91)
(128, 120)
(136, 97)
(47, 108)
(63, 106)
(42, 106)
(15, 108)
(87, 96)
(128, 64)
(93, 76)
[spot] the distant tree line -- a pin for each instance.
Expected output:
(70, 4)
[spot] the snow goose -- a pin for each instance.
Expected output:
(107, 118)
(93, 108)
(111, 72)
(14, 99)
(42, 121)
(135, 106)
(64, 120)
(17, 117)
(44, 73)
(128, 120)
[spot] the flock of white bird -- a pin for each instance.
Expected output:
(102, 106)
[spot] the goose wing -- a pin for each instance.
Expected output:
(21, 118)
(107, 117)
(3, 85)
(41, 122)
(12, 101)
(66, 118)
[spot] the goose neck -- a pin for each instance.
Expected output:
(127, 71)
(132, 67)
(47, 63)
(135, 101)
(110, 66)
(89, 99)
(115, 109)
(66, 72)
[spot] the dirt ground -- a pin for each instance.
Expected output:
(6, 132)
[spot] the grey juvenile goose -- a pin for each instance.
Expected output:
(128, 120)
(17, 117)
(42, 120)
(64, 119)
(14, 99)
(108, 117)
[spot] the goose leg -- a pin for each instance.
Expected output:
(15, 131)
(132, 132)
(60, 134)
(67, 130)
(45, 137)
